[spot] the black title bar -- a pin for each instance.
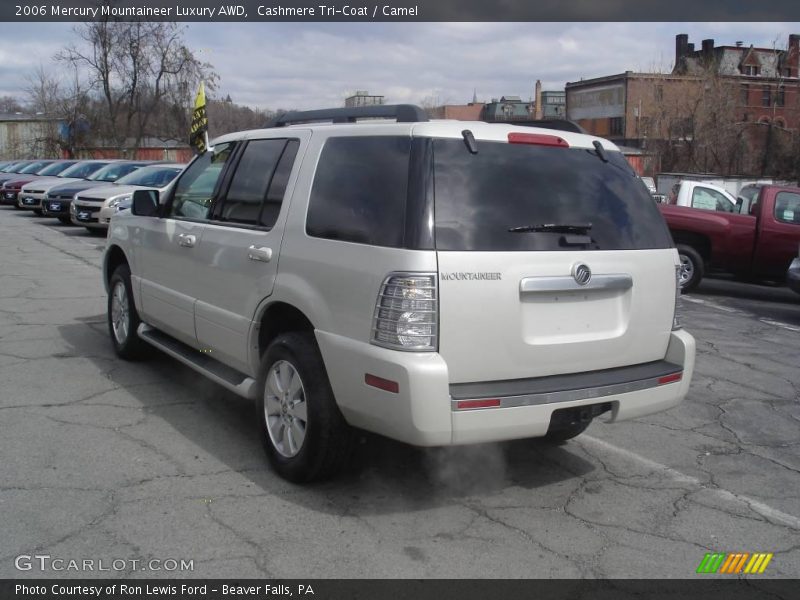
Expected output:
(260, 11)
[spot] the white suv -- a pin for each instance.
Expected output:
(436, 282)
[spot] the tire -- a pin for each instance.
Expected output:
(65, 220)
(304, 433)
(123, 320)
(692, 268)
(562, 434)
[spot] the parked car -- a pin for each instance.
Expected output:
(650, 183)
(793, 274)
(760, 244)
(32, 194)
(60, 196)
(93, 208)
(10, 189)
(704, 196)
(21, 168)
(440, 283)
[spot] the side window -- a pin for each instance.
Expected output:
(360, 191)
(709, 199)
(242, 204)
(195, 189)
(277, 188)
(787, 207)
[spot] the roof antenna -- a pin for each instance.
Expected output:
(601, 152)
(469, 141)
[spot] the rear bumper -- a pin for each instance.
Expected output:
(422, 411)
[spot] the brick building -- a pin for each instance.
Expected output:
(743, 99)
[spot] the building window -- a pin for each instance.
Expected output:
(745, 95)
(615, 126)
(752, 70)
(765, 96)
(787, 72)
(659, 93)
(780, 97)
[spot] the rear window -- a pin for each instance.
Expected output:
(480, 197)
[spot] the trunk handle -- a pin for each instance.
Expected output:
(611, 281)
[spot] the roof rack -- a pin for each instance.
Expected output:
(559, 124)
(403, 113)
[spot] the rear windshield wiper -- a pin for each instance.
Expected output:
(553, 227)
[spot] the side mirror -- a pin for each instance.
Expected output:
(145, 203)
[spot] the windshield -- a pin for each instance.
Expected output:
(34, 167)
(115, 171)
(56, 168)
(156, 177)
(82, 170)
(10, 168)
(499, 199)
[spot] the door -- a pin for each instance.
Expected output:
(551, 261)
(238, 257)
(778, 235)
(167, 247)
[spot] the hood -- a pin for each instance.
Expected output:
(46, 183)
(73, 188)
(17, 182)
(109, 191)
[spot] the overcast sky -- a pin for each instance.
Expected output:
(313, 65)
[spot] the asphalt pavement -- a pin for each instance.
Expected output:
(146, 463)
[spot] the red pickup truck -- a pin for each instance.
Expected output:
(760, 244)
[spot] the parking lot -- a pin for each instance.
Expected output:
(103, 459)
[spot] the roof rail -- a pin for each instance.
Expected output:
(559, 124)
(403, 113)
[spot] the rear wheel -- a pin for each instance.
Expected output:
(692, 267)
(304, 433)
(123, 320)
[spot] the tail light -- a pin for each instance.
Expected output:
(678, 309)
(407, 312)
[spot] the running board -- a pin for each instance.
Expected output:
(229, 378)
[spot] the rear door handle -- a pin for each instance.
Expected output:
(187, 240)
(262, 254)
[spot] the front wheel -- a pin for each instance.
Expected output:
(304, 433)
(692, 267)
(123, 320)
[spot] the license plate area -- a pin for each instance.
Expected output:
(83, 215)
(54, 206)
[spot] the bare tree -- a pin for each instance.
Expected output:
(139, 70)
(9, 104)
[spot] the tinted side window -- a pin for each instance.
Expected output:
(277, 188)
(248, 188)
(360, 190)
(787, 207)
(195, 189)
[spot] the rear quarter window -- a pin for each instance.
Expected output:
(360, 190)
